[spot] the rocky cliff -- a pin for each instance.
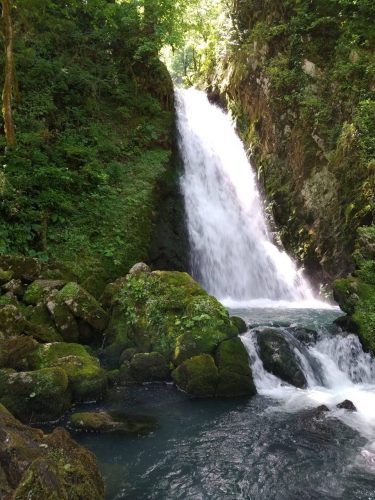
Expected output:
(300, 80)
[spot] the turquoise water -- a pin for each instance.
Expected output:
(232, 449)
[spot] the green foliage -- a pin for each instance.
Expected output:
(93, 120)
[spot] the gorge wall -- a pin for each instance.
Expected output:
(299, 78)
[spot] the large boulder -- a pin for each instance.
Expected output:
(87, 380)
(15, 350)
(39, 395)
(169, 316)
(34, 465)
(11, 321)
(152, 310)
(278, 357)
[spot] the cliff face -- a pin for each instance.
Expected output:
(300, 81)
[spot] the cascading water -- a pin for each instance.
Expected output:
(234, 258)
(231, 250)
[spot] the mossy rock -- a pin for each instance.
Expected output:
(198, 376)
(109, 422)
(357, 299)
(167, 312)
(279, 358)
(240, 324)
(64, 320)
(5, 276)
(39, 290)
(39, 395)
(14, 287)
(12, 321)
(87, 380)
(34, 465)
(83, 305)
(235, 377)
(23, 268)
(14, 352)
(149, 367)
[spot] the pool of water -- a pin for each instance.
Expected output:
(233, 449)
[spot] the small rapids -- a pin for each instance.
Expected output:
(336, 369)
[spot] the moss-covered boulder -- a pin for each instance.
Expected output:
(39, 290)
(5, 276)
(14, 287)
(38, 395)
(169, 323)
(14, 352)
(278, 357)
(148, 367)
(110, 422)
(162, 312)
(87, 380)
(240, 324)
(34, 465)
(235, 377)
(198, 376)
(23, 268)
(63, 318)
(83, 305)
(11, 321)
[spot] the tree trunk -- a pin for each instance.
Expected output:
(10, 135)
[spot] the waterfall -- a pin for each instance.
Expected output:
(232, 253)
(336, 369)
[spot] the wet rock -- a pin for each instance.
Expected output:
(109, 422)
(235, 377)
(34, 465)
(149, 367)
(197, 376)
(347, 405)
(304, 335)
(240, 324)
(278, 357)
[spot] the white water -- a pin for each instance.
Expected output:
(234, 258)
(336, 369)
(231, 249)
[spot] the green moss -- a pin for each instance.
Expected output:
(41, 394)
(87, 379)
(33, 294)
(198, 376)
(168, 312)
(5, 276)
(83, 305)
(112, 422)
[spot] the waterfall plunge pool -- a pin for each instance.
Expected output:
(263, 448)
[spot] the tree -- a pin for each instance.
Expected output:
(10, 135)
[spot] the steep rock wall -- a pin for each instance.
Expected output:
(300, 81)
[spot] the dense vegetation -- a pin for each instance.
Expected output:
(299, 78)
(92, 109)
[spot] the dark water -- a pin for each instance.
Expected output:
(231, 449)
